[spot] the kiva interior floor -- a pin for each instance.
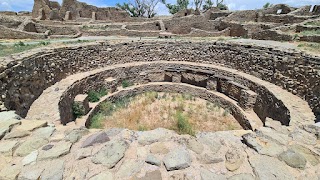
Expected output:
(174, 111)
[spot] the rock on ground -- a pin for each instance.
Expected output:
(30, 125)
(129, 168)
(103, 176)
(111, 153)
(58, 150)
(293, 159)
(30, 145)
(177, 159)
(100, 137)
(269, 168)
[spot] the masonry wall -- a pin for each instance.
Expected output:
(22, 80)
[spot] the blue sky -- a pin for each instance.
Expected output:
(26, 5)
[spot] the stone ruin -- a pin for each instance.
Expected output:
(272, 91)
(73, 10)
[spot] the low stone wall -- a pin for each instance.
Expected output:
(150, 26)
(315, 38)
(265, 105)
(283, 19)
(17, 34)
(120, 32)
(300, 28)
(22, 79)
(272, 35)
(202, 33)
(236, 112)
(56, 30)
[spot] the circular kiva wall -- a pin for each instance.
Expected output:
(23, 79)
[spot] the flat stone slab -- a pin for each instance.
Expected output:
(60, 149)
(151, 159)
(103, 176)
(269, 168)
(111, 153)
(76, 134)
(293, 159)
(177, 159)
(30, 125)
(30, 145)
(156, 135)
(208, 175)
(6, 147)
(129, 168)
(54, 170)
(7, 125)
(44, 132)
(17, 134)
(97, 138)
(30, 158)
(262, 145)
(9, 115)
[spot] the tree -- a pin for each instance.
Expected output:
(174, 8)
(207, 5)
(140, 8)
(267, 5)
(198, 4)
(219, 4)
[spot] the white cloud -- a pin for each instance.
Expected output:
(5, 6)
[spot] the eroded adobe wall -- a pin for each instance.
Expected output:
(23, 80)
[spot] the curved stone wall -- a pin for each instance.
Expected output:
(23, 79)
(268, 103)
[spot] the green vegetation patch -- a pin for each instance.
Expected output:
(313, 23)
(107, 109)
(6, 50)
(94, 96)
(126, 83)
(78, 110)
(312, 32)
(183, 124)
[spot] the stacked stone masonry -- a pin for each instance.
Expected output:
(296, 72)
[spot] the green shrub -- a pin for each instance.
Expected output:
(97, 121)
(78, 110)
(126, 83)
(44, 43)
(93, 96)
(311, 32)
(20, 43)
(184, 127)
(142, 128)
(107, 108)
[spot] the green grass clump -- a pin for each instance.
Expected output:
(18, 47)
(94, 96)
(142, 128)
(184, 127)
(312, 32)
(97, 121)
(106, 109)
(313, 23)
(78, 110)
(126, 83)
